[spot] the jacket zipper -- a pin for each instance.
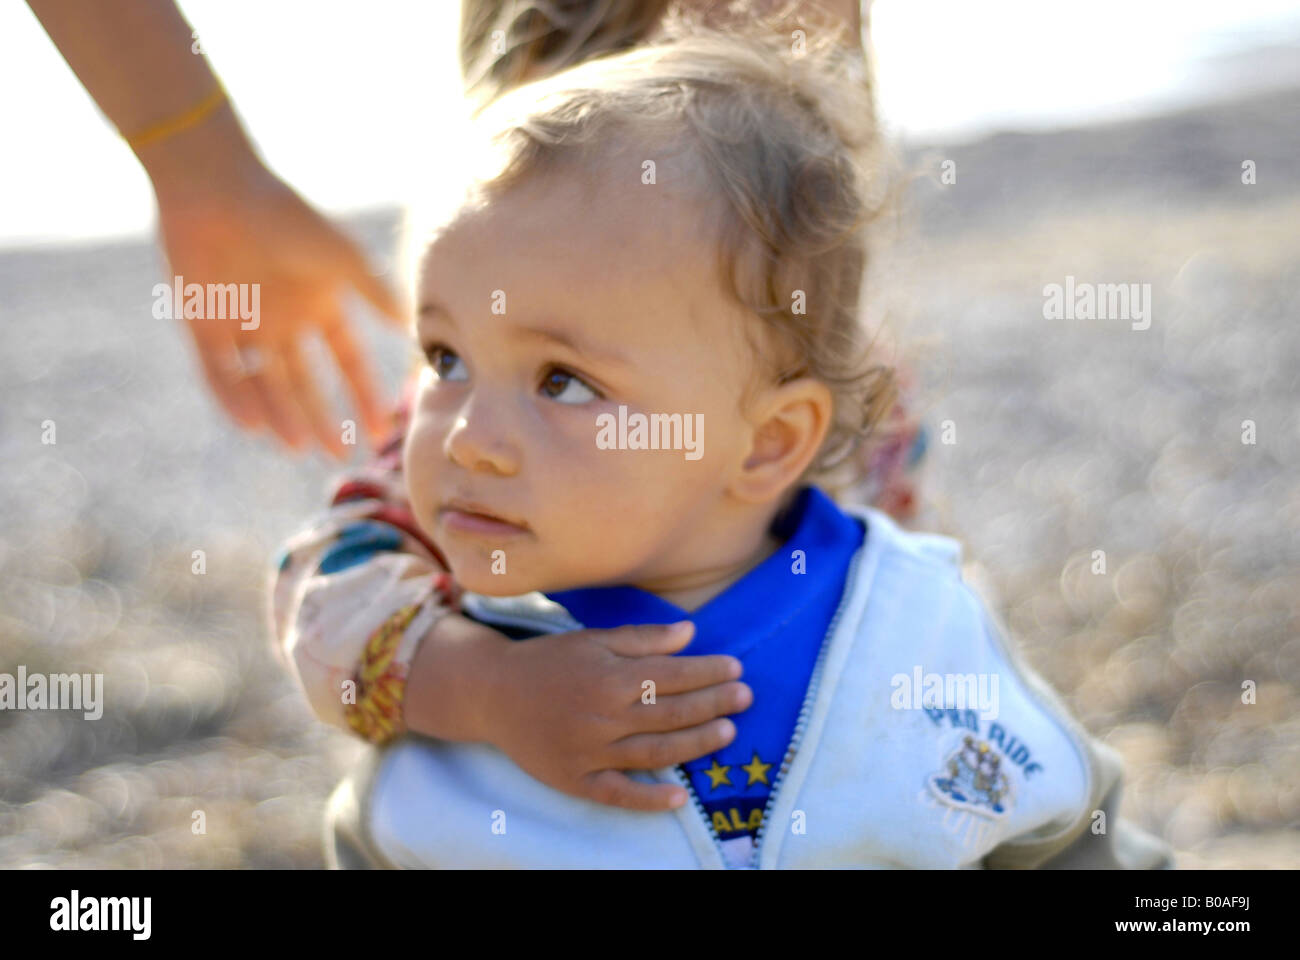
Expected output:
(685, 781)
(810, 698)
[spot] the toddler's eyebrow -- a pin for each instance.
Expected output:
(583, 350)
(432, 311)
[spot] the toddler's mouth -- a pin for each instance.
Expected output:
(468, 517)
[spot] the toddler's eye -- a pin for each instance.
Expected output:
(565, 387)
(446, 364)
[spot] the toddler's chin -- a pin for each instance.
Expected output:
(477, 580)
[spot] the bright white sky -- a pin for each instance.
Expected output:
(353, 101)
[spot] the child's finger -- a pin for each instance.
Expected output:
(687, 710)
(649, 751)
(616, 789)
(642, 639)
(682, 674)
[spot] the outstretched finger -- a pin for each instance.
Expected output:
(616, 789)
(310, 403)
(684, 674)
(221, 368)
(356, 374)
(650, 751)
(644, 639)
(276, 392)
(377, 293)
(685, 710)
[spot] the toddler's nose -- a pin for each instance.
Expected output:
(477, 444)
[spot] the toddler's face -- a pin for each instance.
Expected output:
(559, 302)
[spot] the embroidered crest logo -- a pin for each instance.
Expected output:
(973, 780)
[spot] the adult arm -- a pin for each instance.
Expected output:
(225, 218)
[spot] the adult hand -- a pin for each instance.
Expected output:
(252, 228)
(225, 218)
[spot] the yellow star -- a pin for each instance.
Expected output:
(718, 775)
(757, 770)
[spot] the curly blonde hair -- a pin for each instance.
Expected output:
(504, 43)
(791, 160)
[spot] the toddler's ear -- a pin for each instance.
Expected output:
(790, 422)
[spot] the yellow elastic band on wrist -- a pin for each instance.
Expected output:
(181, 121)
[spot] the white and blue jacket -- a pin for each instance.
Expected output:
(878, 775)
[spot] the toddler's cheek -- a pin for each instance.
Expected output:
(420, 466)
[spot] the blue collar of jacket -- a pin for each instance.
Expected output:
(753, 607)
(818, 540)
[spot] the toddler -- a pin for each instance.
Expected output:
(645, 362)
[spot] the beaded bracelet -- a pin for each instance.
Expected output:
(381, 674)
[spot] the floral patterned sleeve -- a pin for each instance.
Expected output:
(352, 594)
(891, 467)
